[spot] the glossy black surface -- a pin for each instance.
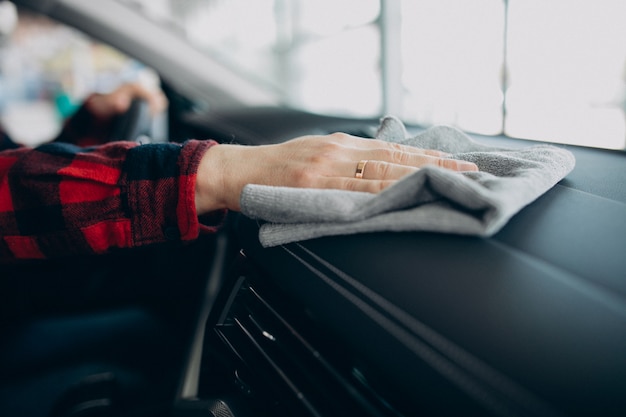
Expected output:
(531, 321)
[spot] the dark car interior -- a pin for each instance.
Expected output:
(529, 322)
(435, 324)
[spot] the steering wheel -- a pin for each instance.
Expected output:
(135, 124)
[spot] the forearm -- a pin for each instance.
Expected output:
(59, 200)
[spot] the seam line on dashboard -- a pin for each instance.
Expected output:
(471, 375)
(615, 303)
(601, 197)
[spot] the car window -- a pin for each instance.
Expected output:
(548, 70)
(47, 69)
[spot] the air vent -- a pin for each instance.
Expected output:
(279, 357)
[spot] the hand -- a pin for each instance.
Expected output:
(312, 162)
(118, 101)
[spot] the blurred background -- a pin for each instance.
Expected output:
(550, 70)
(46, 71)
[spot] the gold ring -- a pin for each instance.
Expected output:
(360, 168)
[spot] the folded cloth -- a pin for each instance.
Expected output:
(431, 199)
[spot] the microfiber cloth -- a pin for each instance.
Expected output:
(431, 199)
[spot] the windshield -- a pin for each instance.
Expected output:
(547, 70)
(550, 70)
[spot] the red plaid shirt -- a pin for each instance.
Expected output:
(65, 198)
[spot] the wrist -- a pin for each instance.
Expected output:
(211, 187)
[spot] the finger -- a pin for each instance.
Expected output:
(119, 103)
(380, 170)
(390, 147)
(354, 184)
(457, 165)
(417, 159)
(377, 150)
(157, 101)
(155, 98)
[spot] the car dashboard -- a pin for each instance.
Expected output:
(531, 321)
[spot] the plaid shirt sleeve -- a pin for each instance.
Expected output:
(60, 199)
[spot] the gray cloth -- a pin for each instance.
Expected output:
(431, 199)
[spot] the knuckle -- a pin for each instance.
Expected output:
(387, 154)
(326, 151)
(339, 136)
(396, 156)
(400, 156)
(382, 170)
(352, 185)
(403, 158)
(377, 186)
(446, 163)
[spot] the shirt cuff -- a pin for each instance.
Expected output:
(190, 224)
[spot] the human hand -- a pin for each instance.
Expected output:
(118, 101)
(310, 162)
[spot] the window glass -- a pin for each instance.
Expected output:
(551, 70)
(321, 55)
(452, 61)
(567, 69)
(47, 69)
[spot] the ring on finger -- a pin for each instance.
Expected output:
(360, 168)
